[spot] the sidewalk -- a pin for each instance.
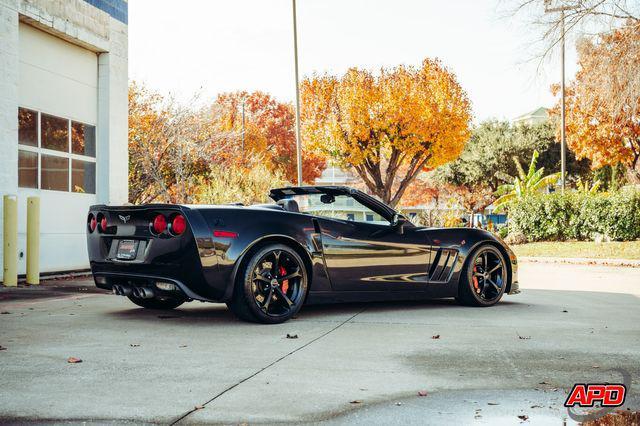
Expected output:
(631, 263)
(50, 288)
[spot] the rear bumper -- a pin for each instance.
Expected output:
(106, 280)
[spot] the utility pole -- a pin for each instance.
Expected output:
(243, 128)
(563, 129)
(563, 134)
(295, 56)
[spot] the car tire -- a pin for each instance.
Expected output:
(281, 305)
(154, 303)
(484, 278)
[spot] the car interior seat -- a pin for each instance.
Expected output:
(289, 205)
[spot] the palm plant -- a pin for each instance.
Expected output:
(524, 184)
(585, 187)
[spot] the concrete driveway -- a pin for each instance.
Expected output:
(357, 363)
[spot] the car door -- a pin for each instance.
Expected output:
(368, 256)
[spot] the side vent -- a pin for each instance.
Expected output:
(442, 265)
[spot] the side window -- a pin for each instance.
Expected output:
(343, 207)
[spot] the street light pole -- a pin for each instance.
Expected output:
(563, 130)
(242, 129)
(563, 136)
(295, 55)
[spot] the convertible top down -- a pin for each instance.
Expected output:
(315, 244)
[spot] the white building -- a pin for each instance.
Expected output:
(63, 117)
(537, 116)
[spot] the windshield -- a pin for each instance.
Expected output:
(336, 207)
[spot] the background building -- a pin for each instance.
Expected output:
(63, 117)
(540, 115)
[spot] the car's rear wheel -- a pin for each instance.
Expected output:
(484, 279)
(156, 303)
(271, 285)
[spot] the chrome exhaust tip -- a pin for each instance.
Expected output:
(125, 290)
(145, 293)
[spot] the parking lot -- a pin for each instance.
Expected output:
(411, 362)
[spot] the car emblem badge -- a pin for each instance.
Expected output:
(125, 219)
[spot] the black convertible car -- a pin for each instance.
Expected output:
(313, 245)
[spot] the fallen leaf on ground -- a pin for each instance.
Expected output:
(182, 346)
(73, 360)
(565, 311)
(292, 336)
(536, 406)
(595, 366)
(134, 345)
(437, 336)
(398, 403)
(523, 417)
(355, 401)
(524, 337)
(422, 393)
(493, 403)
(2, 348)
(543, 383)
(5, 313)
(199, 407)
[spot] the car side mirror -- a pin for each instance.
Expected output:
(398, 223)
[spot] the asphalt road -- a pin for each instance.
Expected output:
(357, 363)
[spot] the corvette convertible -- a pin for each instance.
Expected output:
(316, 244)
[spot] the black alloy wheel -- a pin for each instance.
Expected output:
(485, 278)
(274, 286)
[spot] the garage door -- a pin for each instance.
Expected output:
(58, 88)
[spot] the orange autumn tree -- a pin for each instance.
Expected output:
(270, 131)
(603, 102)
(387, 127)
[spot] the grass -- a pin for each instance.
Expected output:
(586, 249)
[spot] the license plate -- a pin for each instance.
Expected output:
(127, 249)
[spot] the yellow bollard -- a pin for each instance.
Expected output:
(10, 240)
(33, 240)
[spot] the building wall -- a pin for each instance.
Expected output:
(67, 58)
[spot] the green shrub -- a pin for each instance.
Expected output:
(577, 216)
(503, 232)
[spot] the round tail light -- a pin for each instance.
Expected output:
(178, 224)
(103, 224)
(92, 222)
(159, 224)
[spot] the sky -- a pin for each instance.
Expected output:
(207, 47)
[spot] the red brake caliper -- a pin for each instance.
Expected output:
(285, 283)
(475, 280)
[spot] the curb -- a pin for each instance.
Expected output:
(629, 263)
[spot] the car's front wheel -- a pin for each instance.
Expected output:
(484, 279)
(271, 285)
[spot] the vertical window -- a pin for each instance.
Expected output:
(27, 127)
(83, 139)
(27, 169)
(83, 176)
(59, 155)
(54, 173)
(54, 133)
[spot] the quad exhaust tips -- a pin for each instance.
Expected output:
(138, 292)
